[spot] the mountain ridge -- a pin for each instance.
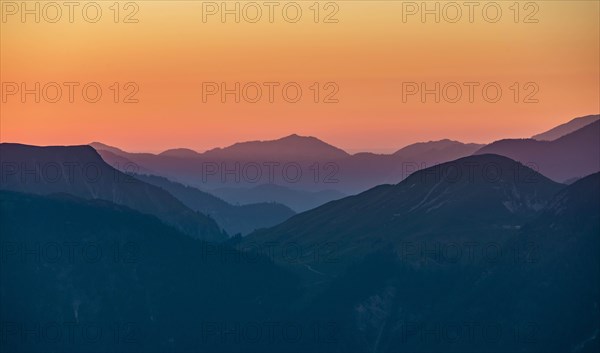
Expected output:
(573, 155)
(493, 196)
(566, 128)
(81, 171)
(234, 219)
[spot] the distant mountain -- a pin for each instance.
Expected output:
(566, 128)
(298, 200)
(296, 162)
(234, 219)
(292, 160)
(574, 155)
(478, 197)
(92, 276)
(80, 171)
(289, 148)
(180, 153)
(363, 171)
(434, 152)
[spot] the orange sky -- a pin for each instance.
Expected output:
(369, 55)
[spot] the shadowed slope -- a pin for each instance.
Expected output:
(79, 170)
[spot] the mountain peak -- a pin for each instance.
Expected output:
(179, 152)
(481, 169)
(434, 152)
(470, 199)
(290, 147)
(299, 137)
(434, 144)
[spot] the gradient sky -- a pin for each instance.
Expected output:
(368, 54)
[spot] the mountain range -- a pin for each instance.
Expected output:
(568, 157)
(235, 219)
(80, 171)
(305, 165)
(305, 171)
(488, 195)
(538, 291)
(480, 253)
(321, 165)
(107, 278)
(535, 289)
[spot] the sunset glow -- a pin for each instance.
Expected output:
(368, 56)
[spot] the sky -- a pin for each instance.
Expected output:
(498, 70)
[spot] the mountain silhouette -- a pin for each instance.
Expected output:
(551, 282)
(292, 147)
(80, 171)
(341, 270)
(145, 286)
(539, 294)
(328, 171)
(566, 128)
(434, 152)
(483, 197)
(180, 152)
(363, 171)
(574, 155)
(234, 219)
(322, 167)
